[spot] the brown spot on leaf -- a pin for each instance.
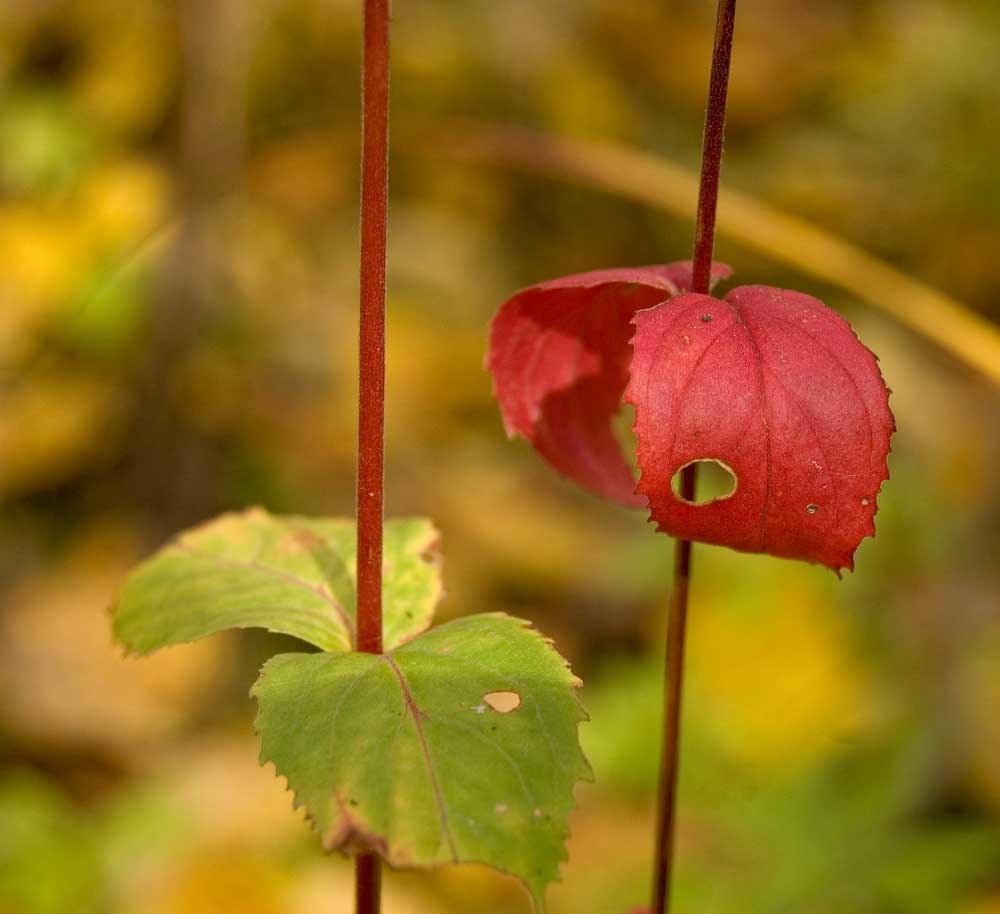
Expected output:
(350, 835)
(299, 541)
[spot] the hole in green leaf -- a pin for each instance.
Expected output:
(503, 702)
(716, 481)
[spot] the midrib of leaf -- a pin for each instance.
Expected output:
(340, 613)
(416, 713)
(314, 726)
(764, 405)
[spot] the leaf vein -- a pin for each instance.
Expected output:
(416, 713)
(285, 576)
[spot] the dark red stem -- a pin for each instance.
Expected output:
(371, 406)
(674, 677)
(704, 239)
(711, 156)
(371, 397)
(367, 884)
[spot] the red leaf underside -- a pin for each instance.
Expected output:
(775, 386)
(560, 355)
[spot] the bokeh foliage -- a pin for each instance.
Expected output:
(178, 247)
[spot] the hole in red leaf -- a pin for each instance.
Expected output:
(716, 481)
(503, 702)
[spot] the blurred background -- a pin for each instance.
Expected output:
(178, 287)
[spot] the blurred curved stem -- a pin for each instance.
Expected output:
(658, 182)
(704, 240)
(632, 174)
(371, 395)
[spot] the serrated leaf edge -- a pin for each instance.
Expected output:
(353, 836)
(428, 548)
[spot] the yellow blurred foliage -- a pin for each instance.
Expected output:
(223, 882)
(122, 202)
(609, 849)
(42, 253)
(781, 679)
(867, 136)
(303, 176)
(55, 642)
(128, 74)
(52, 429)
(579, 98)
(49, 250)
(990, 905)
(228, 797)
(428, 391)
(328, 888)
(491, 890)
(515, 525)
(981, 701)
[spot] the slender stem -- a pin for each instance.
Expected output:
(371, 406)
(367, 884)
(674, 676)
(704, 238)
(371, 397)
(711, 156)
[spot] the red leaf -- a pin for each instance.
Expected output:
(560, 354)
(776, 386)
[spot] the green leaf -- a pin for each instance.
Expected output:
(294, 575)
(406, 753)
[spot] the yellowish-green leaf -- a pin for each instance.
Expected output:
(459, 746)
(294, 575)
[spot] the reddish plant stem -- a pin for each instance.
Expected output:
(704, 240)
(367, 884)
(711, 156)
(371, 406)
(674, 677)
(371, 396)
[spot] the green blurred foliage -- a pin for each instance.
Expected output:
(178, 248)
